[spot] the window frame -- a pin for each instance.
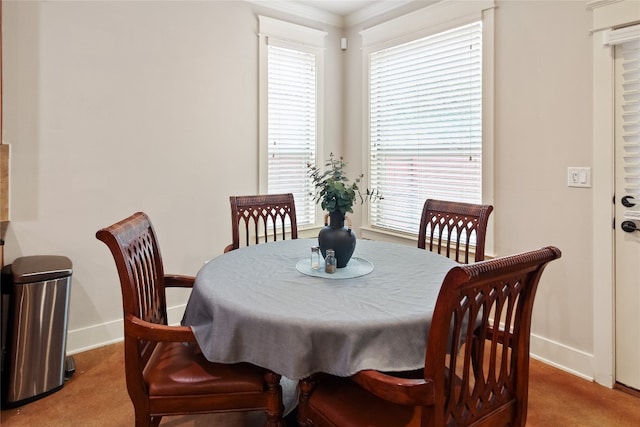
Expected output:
(422, 23)
(297, 37)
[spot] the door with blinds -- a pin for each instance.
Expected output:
(627, 214)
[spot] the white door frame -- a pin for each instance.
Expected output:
(607, 14)
(603, 238)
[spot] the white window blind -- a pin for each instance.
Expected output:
(292, 126)
(425, 124)
(629, 120)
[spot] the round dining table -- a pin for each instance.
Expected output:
(264, 304)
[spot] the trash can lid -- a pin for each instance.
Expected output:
(39, 268)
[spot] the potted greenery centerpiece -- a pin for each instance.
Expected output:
(337, 194)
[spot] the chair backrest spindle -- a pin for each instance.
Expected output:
(263, 217)
(449, 228)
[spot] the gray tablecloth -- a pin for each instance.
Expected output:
(253, 305)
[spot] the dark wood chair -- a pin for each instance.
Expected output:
(483, 314)
(166, 372)
(448, 227)
(262, 218)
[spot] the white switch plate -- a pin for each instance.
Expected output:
(578, 177)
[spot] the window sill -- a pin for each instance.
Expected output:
(388, 236)
(367, 233)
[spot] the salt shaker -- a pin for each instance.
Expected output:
(330, 261)
(315, 258)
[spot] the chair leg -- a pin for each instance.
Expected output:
(275, 407)
(274, 421)
(143, 419)
(306, 388)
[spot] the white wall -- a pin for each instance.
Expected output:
(543, 120)
(543, 125)
(114, 107)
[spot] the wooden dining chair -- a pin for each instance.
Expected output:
(262, 218)
(476, 369)
(166, 372)
(449, 228)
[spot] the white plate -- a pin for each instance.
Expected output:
(356, 267)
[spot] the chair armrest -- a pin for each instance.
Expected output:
(403, 391)
(178, 281)
(148, 331)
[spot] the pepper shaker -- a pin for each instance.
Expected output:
(330, 262)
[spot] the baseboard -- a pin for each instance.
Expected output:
(84, 339)
(563, 357)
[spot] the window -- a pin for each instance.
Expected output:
(291, 79)
(426, 130)
(291, 125)
(426, 124)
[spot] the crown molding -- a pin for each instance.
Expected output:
(373, 10)
(301, 10)
(324, 17)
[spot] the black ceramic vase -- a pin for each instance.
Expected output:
(336, 236)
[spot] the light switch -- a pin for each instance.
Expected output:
(578, 177)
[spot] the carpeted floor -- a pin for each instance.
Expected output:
(96, 396)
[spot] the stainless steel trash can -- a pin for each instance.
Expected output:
(35, 299)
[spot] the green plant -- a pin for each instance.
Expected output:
(333, 189)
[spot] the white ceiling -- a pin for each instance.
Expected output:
(339, 7)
